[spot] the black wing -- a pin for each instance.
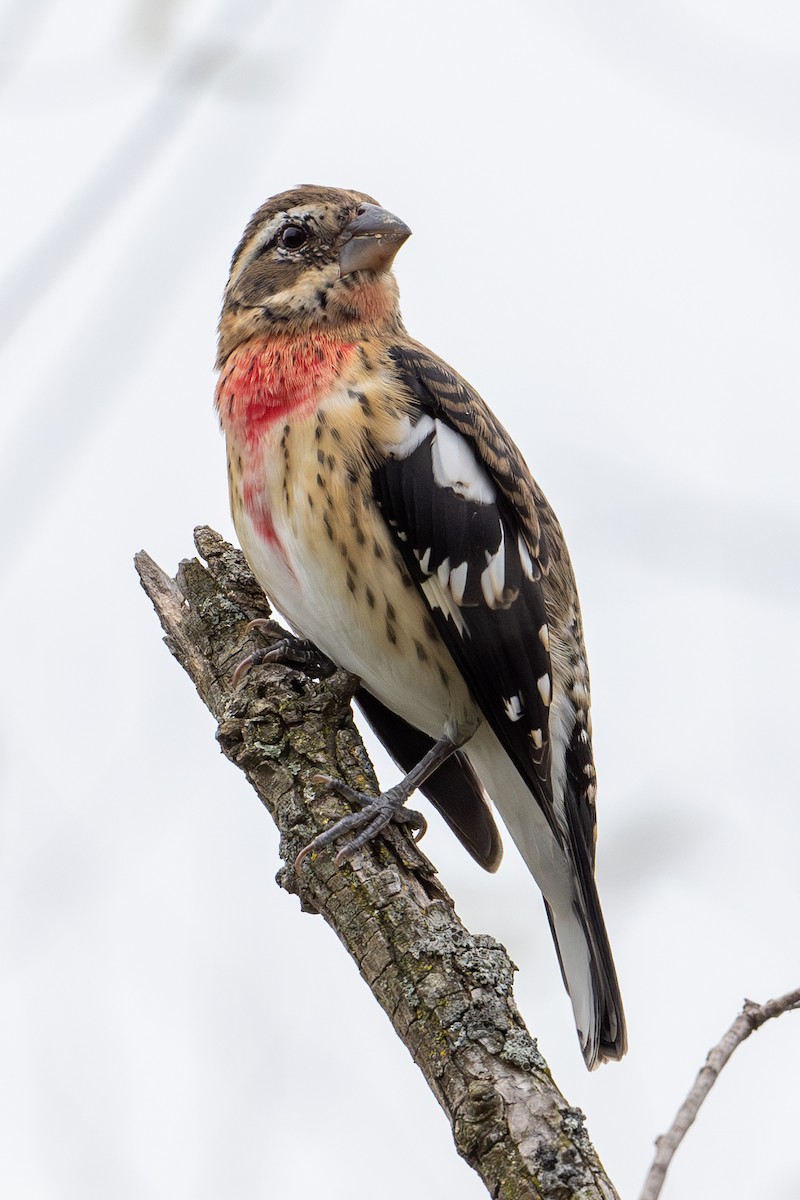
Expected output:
(475, 561)
(454, 789)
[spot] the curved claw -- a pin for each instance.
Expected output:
(246, 665)
(417, 822)
(261, 623)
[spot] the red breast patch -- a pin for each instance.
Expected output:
(264, 381)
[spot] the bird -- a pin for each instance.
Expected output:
(392, 521)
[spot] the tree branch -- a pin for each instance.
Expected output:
(447, 992)
(752, 1017)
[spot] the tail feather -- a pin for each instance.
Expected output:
(565, 874)
(584, 926)
(587, 969)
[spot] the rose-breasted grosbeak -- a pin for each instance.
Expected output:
(391, 519)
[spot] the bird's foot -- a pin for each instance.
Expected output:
(290, 650)
(374, 814)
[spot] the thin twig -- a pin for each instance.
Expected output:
(751, 1017)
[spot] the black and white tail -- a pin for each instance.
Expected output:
(590, 978)
(564, 871)
(587, 965)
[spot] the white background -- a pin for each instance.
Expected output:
(605, 201)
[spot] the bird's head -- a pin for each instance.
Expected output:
(312, 259)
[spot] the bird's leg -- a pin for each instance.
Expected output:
(292, 650)
(375, 812)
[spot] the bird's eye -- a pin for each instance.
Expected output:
(293, 237)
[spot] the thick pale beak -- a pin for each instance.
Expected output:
(371, 240)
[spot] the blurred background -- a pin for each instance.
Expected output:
(605, 205)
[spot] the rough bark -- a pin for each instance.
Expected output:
(447, 992)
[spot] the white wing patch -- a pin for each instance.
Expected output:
(525, 558)
(440, 597)
(456, 466)
(493, 579)
(458, 581)
(513, 707)
(543, 684)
